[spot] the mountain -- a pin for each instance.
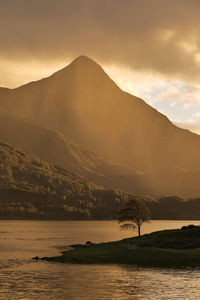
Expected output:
(54, 147)
(84, 104)
(30, 187)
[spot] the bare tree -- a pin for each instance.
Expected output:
(135, 212)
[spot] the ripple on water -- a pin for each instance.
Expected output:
(58, 281)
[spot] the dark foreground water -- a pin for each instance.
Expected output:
(22, 278)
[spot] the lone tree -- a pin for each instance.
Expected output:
(135, 212)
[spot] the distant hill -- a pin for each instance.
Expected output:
(84, 104)
(174, 208)
(32, 188)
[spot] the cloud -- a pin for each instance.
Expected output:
(16, 73)
(177, 92)
(196, 115)
(154, 35)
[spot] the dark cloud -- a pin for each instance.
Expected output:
(156, 35)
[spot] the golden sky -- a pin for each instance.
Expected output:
(149, 47)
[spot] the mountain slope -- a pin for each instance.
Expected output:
(83, 103)
(54, 147)
(30, 187)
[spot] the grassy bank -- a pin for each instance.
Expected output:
(168, 248)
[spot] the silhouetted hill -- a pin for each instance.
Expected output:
(83, 103)
(33, 188)
(175, 208)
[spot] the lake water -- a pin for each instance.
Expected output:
(23, 278)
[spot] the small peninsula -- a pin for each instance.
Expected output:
(178, 248)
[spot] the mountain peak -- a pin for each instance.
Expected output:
(84, 61)
(85, 71)
(83, 58)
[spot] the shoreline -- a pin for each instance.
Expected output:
(176, 248)
(64, 219)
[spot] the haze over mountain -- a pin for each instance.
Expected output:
(84, 104)
(54, 147)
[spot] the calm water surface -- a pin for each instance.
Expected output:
(22, 278)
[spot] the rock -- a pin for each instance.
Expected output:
(89, 243)
(36, 258)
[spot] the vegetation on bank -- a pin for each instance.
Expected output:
(168, 248)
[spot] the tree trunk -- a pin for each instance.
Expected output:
(139, 229)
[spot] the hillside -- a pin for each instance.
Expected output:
(52, 146)
(32, 188)
(84, 104)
